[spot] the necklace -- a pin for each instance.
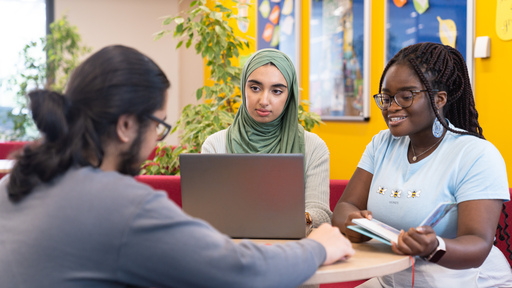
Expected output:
(415, 157)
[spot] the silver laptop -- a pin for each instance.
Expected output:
(246, 195)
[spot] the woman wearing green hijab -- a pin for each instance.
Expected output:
(267, 122)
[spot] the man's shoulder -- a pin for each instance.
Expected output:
(106, 184)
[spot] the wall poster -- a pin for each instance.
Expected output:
(278, 26)
(339, 59)
(450, 22)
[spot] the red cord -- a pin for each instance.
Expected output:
(412, 260)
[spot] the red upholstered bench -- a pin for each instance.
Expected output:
(167, 183)
(336, 188)
(6, 148)
(501, 244)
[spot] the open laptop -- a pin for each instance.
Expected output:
(246, 195)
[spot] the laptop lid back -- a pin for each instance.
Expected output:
(246, 195)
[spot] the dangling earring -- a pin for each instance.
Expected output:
(437, 129)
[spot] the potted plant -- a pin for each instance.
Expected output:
(63, 49)
(206, 28)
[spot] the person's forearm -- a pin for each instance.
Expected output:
(465, 252)
(340, 215)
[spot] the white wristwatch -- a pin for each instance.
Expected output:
(438, 252)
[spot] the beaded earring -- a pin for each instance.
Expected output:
(437, 128)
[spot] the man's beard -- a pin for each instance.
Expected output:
(130, 163)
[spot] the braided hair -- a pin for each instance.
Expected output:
(441, 67)
(502, 233)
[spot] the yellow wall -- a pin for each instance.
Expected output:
(493, 84)
(493, 90)
(493, 93)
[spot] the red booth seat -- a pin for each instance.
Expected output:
(6, 148)
(169, 184)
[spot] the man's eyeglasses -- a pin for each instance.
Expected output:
(403, 99)
(162, 129)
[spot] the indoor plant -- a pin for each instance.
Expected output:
(63, 49)
(207, 28)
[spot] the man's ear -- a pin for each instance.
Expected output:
(127, 128)
(440, 99)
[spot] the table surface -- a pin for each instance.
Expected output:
(371, 259)
(6, 165)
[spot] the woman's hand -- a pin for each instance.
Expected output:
(352, 235)
(416, 241)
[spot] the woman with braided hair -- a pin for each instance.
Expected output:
(433, 152)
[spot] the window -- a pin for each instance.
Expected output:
(21, 22)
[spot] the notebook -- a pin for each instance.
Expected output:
(246, 195)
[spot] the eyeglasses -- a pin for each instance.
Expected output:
(162, 129)
(403, 99)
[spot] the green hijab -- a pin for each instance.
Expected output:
(284, 134)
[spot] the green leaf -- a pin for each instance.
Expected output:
(222, 8)
(218, 16)
(179, 29)
(205, 9)
(167, 21)
(178, 20)
(199, 93)
(189, 42)
(63, 48)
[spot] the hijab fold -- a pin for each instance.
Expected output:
(284, 134)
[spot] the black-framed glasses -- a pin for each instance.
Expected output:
(403, 98)
(162, 129)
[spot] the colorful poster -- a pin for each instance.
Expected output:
(421, 5)
(337, 43)
(440, 21)
(277, 26)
